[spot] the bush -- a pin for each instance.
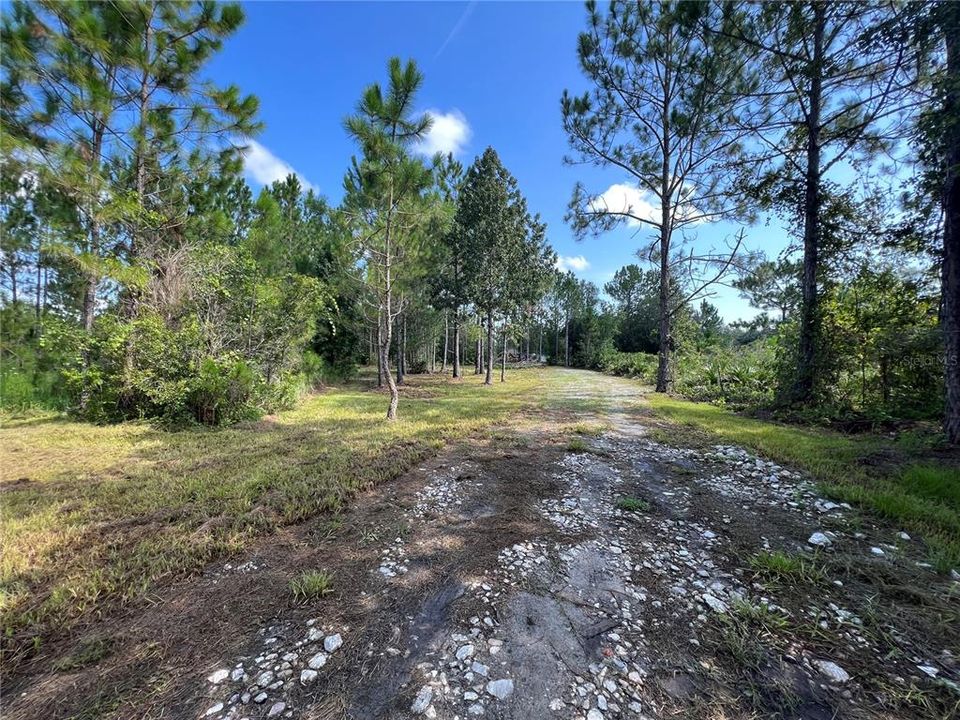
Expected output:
(232, 351)
(640, 365)
(741, 377)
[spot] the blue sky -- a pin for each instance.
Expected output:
(494, 74)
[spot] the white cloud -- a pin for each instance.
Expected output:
(449, 133)
(623, 198)
(265, 167)
(577, 263)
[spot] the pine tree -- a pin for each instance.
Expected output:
(384, 193)
(836, 89)
(491, 225)
(664, 110)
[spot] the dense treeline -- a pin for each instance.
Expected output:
(840, 118)
(143, 278)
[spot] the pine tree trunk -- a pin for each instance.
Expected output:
(478, 361)
(540, 346)
(401, 350)
(456, 343)
(664, 374)
(446, 340)
(503, 358)
(950, 269)
(379, 357)
(803, 389)
(39, 280)
(488, 380)
(566, 342)
(664, 371)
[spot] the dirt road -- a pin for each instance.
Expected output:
(546, 573)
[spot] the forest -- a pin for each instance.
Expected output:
(143, 278)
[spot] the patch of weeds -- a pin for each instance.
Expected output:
(368, 536)
(740, 642)
(782, 566)
(591, 429)
(88, 652)
(631, 504)
(311, 584)
(760, 614)
(577, 445)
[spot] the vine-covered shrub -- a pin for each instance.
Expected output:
(229, 347)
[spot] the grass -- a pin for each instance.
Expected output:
(903, 486)
(94, 518)
(786, 567)
(577, 444)
(310, 585)
(633, 504)
(589, 429)
(87, 653)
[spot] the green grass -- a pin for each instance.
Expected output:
(902, 486)
(96, 517)
(589, 429)
(633, 504)
(577, 445)
(86, 653)
(311, 584)
(786, 567)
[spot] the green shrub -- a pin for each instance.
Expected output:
(234, 350)
(639, 365)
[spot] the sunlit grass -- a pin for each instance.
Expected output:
(97, 516)
(311, 584)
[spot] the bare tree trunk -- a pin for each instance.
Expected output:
(446, 340)
(478, 361)
(950, 269)
(456, 342)
(39, 281)
(540, 346)
(490, 350)
(380, 365)
(664, 375)
(89, 301)
(503, 357)
(566, 343)
(809, 312)
(401, 350)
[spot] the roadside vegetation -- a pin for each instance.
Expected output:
(179, 353)
(97, 517)
(903, 479)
